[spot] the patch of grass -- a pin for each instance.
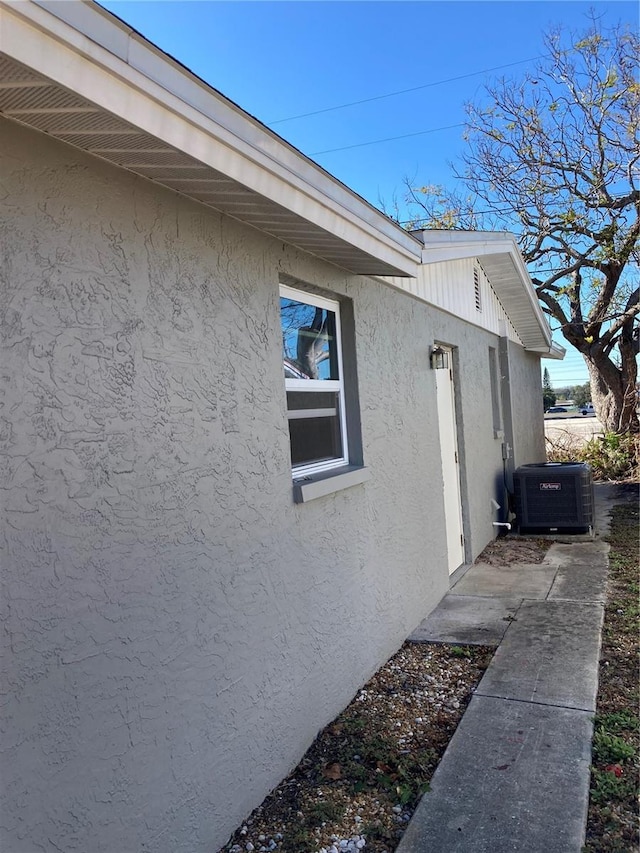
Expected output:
(460, 652)
(374, 831)
(618, 722)
(609, 748)
(607, 788)
(301, 838)
(323, 810)
(613, 808)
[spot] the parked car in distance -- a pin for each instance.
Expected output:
(567, 411)
(588, 409)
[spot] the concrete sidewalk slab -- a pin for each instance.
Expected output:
(518, 784)
(549, 655)
(515, 776)
(582, 572)
(467, 620)
(520, 580)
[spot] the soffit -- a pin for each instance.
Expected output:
(505, 280)
(324, 218)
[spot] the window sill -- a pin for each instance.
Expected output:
(328, 482)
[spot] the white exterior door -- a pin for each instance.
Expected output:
(445, 393)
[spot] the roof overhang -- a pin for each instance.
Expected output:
(79, 74)
(501, 260)
(556, 352)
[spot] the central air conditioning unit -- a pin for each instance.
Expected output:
(554, 497)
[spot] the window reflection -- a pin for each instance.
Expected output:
(309, 348)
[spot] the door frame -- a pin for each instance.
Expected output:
(450, 460)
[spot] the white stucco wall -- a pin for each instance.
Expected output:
(176, 628)
(527, 408)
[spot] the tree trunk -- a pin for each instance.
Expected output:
(613, 391)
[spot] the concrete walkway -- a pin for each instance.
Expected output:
(515, 776)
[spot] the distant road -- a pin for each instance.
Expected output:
(577, 426)
(570, 413)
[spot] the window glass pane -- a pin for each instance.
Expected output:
(301, 403)
(309, 346)
(314, 427)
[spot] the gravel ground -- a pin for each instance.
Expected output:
(358, 785)
(360, 781)
(509, 550)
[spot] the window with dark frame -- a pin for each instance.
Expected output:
(312, 362)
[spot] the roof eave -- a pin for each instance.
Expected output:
(555, 352)
(515, 290)
(250, 173)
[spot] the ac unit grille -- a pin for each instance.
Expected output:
(554, 496)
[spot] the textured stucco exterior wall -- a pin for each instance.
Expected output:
(480, 451)
(176, 628)
(527, 409)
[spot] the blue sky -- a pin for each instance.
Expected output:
(280, 60)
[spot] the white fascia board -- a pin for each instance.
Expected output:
(555, 352)
(85, 49)
(458, 245)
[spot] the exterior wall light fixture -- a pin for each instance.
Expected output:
(439, 358)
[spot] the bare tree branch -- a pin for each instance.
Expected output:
(554, 157)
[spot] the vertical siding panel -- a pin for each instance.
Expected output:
(449, 285)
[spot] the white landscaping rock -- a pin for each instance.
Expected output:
(345, 845)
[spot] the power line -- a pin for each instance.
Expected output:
(405, 91)
(400, 92)
(387, 139)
